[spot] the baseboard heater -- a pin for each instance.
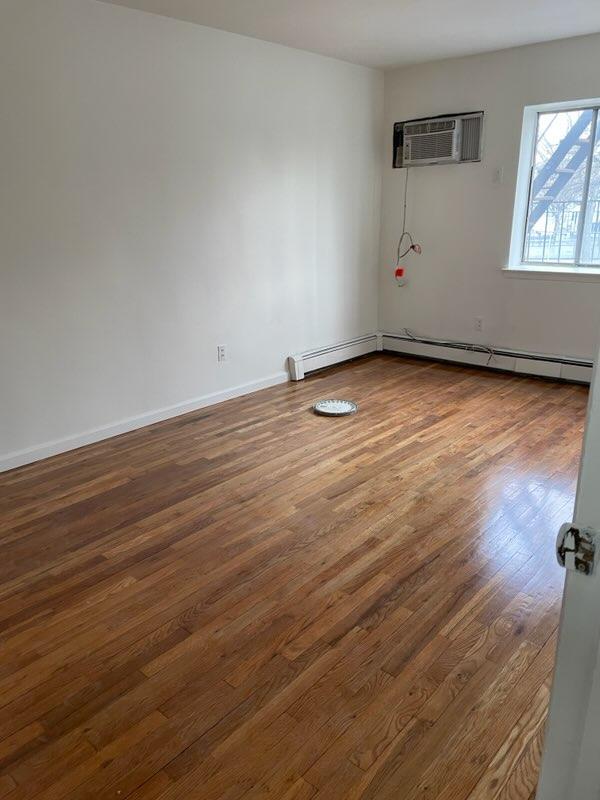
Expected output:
(565, 368)
(303, 363)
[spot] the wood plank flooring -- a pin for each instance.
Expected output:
(254, 602)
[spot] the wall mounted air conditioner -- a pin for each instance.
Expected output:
(453, 139)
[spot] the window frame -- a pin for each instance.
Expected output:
(531, 117)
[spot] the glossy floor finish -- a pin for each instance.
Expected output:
(254, 602)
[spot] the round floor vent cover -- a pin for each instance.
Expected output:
(335, 408)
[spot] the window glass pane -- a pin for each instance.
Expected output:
(590, 249)
(562, 149)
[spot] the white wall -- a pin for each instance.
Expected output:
(165, 188)
(463, 219)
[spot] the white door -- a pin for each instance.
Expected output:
(571, 761)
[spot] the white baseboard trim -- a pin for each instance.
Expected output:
(19, 458)
(312, 360)
(549, 366)
(562, 367)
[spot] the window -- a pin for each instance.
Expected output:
(557, 214)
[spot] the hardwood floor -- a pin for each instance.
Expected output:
(254, 602)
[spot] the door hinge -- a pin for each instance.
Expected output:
(576, 548)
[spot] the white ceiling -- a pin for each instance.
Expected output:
(388, 33)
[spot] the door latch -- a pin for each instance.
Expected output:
(576, 548)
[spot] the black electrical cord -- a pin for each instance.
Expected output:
(405, 235)
(471, 346)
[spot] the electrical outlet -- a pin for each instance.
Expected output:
(221, 353)
(479, 324)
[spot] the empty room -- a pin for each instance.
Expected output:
(299, 415)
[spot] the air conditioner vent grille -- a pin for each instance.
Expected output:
(421, 128)
(436, 145)
(470, 146)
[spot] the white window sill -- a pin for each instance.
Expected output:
(558, 272)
